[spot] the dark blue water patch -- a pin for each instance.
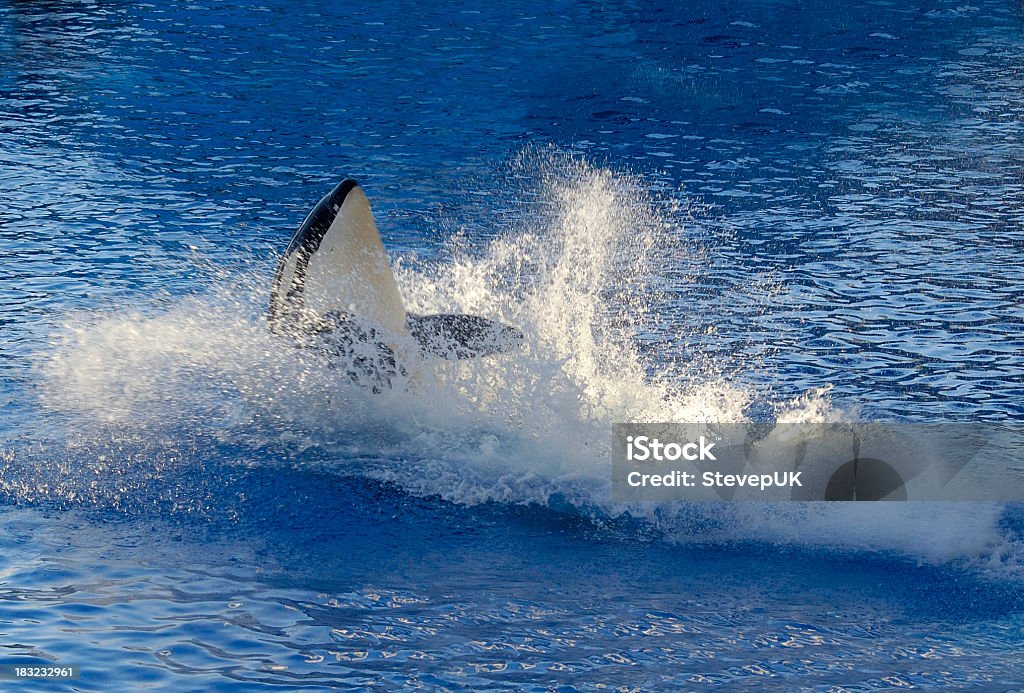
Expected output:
(397, 587)
(313, 526)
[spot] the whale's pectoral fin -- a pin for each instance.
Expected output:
(336, 262)
(335, 291)
(453, 336)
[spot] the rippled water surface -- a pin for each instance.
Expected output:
(760, 208)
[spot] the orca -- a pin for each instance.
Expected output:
(334, 290)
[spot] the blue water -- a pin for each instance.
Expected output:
(702, 210)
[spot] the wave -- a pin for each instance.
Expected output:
(587, 263)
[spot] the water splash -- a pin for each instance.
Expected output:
(582, 267)
(576, 270)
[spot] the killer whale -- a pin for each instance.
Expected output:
(334, 290)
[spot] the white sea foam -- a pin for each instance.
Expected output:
(581, 270)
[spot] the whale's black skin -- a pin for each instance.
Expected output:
(357, 347)
(454, 336)
(350, 340)
(372, 363)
